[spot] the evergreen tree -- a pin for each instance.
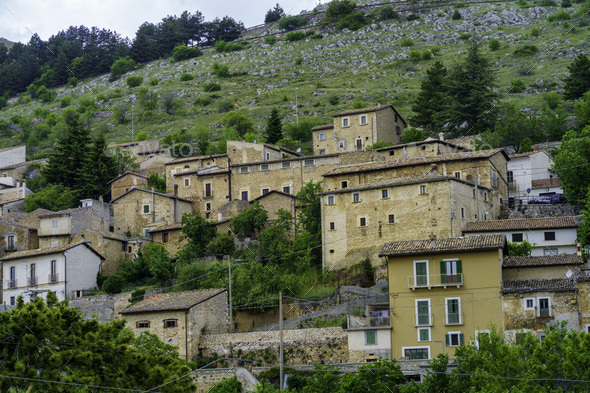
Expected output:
(578, 81)
(471, 94)
(430, 107)
(99, 169)
(274, 127)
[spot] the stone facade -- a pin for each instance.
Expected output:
(125, 182)
(169, 237)
(58, 228)
(110, 245)
(105, 308)
(427, 148)
(156, 164)
(143, 150)
(15, 237)
(275, 200)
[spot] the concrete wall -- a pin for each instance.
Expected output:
(360, 350)
(105, 308)
(565, 240)
(81, 268)
(13, 155)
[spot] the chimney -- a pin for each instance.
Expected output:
(24, 189)
(432, 238)
(441, 136)
(536, 148)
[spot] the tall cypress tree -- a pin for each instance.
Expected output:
(430, 107)
(274, 127)
(578, 81)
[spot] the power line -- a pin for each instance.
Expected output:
(71, 383)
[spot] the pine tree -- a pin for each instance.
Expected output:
(471, 95)
(99, 169)
(578, 81)
(430, 106)
(274, 127)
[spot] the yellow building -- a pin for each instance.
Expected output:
(443, 292)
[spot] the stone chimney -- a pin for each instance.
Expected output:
(441, 136)
(432, 238)
(536, 148)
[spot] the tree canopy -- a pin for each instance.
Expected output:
(578, 81)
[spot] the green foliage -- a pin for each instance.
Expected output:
(378, 145)
(578, 81)
(414, 134)
(120, 67)
(382, 376)
(302, 131)
(239, 122)
(546, 3)
(230, 385)
(249, 221)
(170, 103)
(415, 55)
(494, 44)
(560, 15)
(158, 260)
(511, 130)
(566, 3)
(220, 70)
(340, 8)
(522, 249)
(185, 77)
(465, 36)
(158, 182)
(323, 323)
(571, 164)
(584, 228)
(221, 245)
(293, 36)
(183, 52)
(526, 50)
(54, 197)
(522, 3)
(431, 104)
(226, 106)
(274, 14)
(412, 17)
(270, 40)
(535, 32)
(211, 86)
(352, 22)
(114, 284)
(407, 42)
(457, 15)
(517, 86)
(289, 23)
(334, 100)
(203, 101)
(274, 127)
(73, 81)
(134, 81)
(554, 122)
(226, 47)
(147, 99)
(299, 61)
(153, 82)
(386, 13)
(125, 161)
(552, 99)
(198, 231)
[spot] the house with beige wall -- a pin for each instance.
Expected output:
(169, 236)
(180, 318)
(111, 246)
(438, 288)
(143, 150)
(357, 219)
(428, 148)
(123, 183)
(16, 237)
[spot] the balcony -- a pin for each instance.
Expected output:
(32, 281)
(435, 280)
(52, 278)
(365, 322)
(11, 284)
(10, 247)
(453, 318)
(423, 320)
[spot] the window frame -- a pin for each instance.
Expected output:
(551, 234)
(356, 197)
(244, 169)
(460, 339)
(391, 219)
(265, 191)
(322, 151)
(309, 162)
(344, 184)
(374, 332)
(244, 193)
(330, 198)
(164, 237)
(429, 313)
(358, 146)
(539, 299)
(463, 213)
(187, 182)
(515, 240)
(363, 120)
(332, 226)
(427, 328)
(146, 205)
(264, 167)
(286, 164)
(414, 263)
(322, 136)
(457, 175)
(363, 222)
(524, 303)
(423, 190)
(168, 321)
(139, 323)
(427, 347)
(460, 319)
(345, 122)
(385, 194)
(287, 190)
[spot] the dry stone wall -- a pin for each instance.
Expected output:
(105, 307)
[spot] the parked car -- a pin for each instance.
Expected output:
(558, 198)
(540, 200)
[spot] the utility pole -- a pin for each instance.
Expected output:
(296, 108)
(231, 319)
(282, 371)
(132, 135)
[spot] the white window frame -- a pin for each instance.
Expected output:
(309, 162)
(429, 309)
(477, 332)
(539, 305)
(331, 200)
(366, 221)
(363, 120)
(427, 272)
(417, 347)
(264, 167)
(457, 175)
(356, 197)
(587, 328)
(345, 122)
(447, 309)
(187, 181)
(385, 194)
(288, 189)
(429, 334)
(458, 337)
(524, 301)
(322, 136)
(550, 251)
(244, 169)
(423, 190)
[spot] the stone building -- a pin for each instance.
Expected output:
(427, 148)
(274, 200)
(138, 211)
(168, 236)
(438, 288)
(143, 150)
(530, 175)
(156, 164)
(111, 246)
(357, 219)
(356, 129)
(123, 183)
(181, 318)
(548, 235)
(11, 174)
(16, 237)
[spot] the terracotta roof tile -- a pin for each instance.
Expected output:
(362, 110)
(168, 227)
(323, 127)
(125, 174)
(521, 224)
(173, 301)
(420, 247)
(544, 260)
(47, 251)
(195, 158)
(538, 285)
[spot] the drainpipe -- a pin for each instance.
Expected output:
(323, 236)
(450, 208)
(153, 206)
(65, 276)
(186, 336)
(229, 178)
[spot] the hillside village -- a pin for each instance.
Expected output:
(353, 250)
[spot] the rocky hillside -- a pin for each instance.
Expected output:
(381, 62)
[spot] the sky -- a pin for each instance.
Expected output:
(19, 19)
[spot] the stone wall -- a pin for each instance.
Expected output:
(562, 304)
(205, 379)
(536, 211)
(13, 155)
(105, 307)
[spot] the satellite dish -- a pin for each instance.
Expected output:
(299, 150)
(569, 273)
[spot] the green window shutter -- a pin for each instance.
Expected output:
(424, 335)
(370, 337)
(448, 340)
(443, 272)
(146, 208)
(459, 272)
(461, 339)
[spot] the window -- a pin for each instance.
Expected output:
(344, 184)
(422, 189)
(423, 147)
(392, 152)
(129, 249)
(345, 122)
(529, 303)
(398, 130)
(550, 251)
(517, 237)
(363, 222)
(12, 273)
(13, 301)
(265, 191)
(453, 311)
(170, 323)
(457, 175)
(485, 196)
(10, 242)
(322, 151)
(424, 334)
(33, 274)
(451, 272)
(331, 251)
(544, 307)
(287, 190)
(416, 353)
(208, 190)
(208, 206)
(384, 194)
(267, 156)
(341, 144)
(363, 119)
(187, 182)
(142, 324)
(286, 164)
(454, 339)
(356, 196)
(322, 136)
(370, 337)
(423, 312)
(146, 209)
(309, 162)
(264, 167)
(391, 219)
(54, 226)
(462, 212)
(165, 237)
(359, 144)
(331, 200)
(186, 167)
(420, 273)
(549, 236)
(244, 169)
(510, 176)
(244, 195)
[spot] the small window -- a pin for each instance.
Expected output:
(208, 190)
(322, 151)
(363, 119)
(244, 169)
(13, 301)
(356, 196)
(186, 167)
(424, 334)
(146, 209)
(529, 303)
(391, 219)
(550, 251)
(549, 236)
(331, 251)
(165, 237)
(142, 324)
(331, 200)
(423, 147)
(457, 175)
(322, 136)
(264, 167)
(370, 337)
(510, 177)
(417, 353)
(332, 226)
(309, 162)
(344, 184)
(265, 191)
(341, 145)
(517, 237)
(462, 212)
(422, 189)
(267, 156)
(286, 164)
(187, 182)
(208, 206)
(129, 249)
(384, 194)
(287, 190)
(170, 323)
(244, 195)
(398, 130)
(345, 122)
(363, 222)
(392, 152)
(454, 339)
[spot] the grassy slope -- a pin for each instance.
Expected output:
(362, 65)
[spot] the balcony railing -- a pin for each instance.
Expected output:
(355, 322)
(11, 283)
(10, 247)
(53, 278)
(32, 281)
(423, 319)
(453, 318)
(435, 280)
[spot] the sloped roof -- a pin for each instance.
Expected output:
(426, 246)
(275, 192)
(521, 224)
(173, 301)
(367, 110)
(133, 189)
(538, 285)
(125, 174)
(543, 260)
(424, 142)
(195, 158)
(23, 164)
(323, 127)
(86, 209)
(48, 251)
(168, 227)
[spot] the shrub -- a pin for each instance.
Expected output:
(153, 82)
(73, 81)
(186, 77)
(338, 9)
(226, 106)
(183, 52)
(65, 101)
(522, 3)
(547, 3)
(517, 86)
(134, 81)
(426, 55)
(407, 42)
(566, 3)
(535, 32)
(203, 101)
(114, 283)
(211, 86)
(465, 36)
(225, 47)
(387, 13)
(294, 36)
(460, 5)
(352, 22)
(552, 99)
(527, 50)
(559, 16)
(289, 23)
(270, 40)
(334, 100)
(220, 70)
(415, 55)
(457, 15)
(412, 17)
(299, 61)
(435, 50)
(120, 67)
(494, 44)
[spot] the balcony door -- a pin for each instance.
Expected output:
(451, 272)
(420, 273)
